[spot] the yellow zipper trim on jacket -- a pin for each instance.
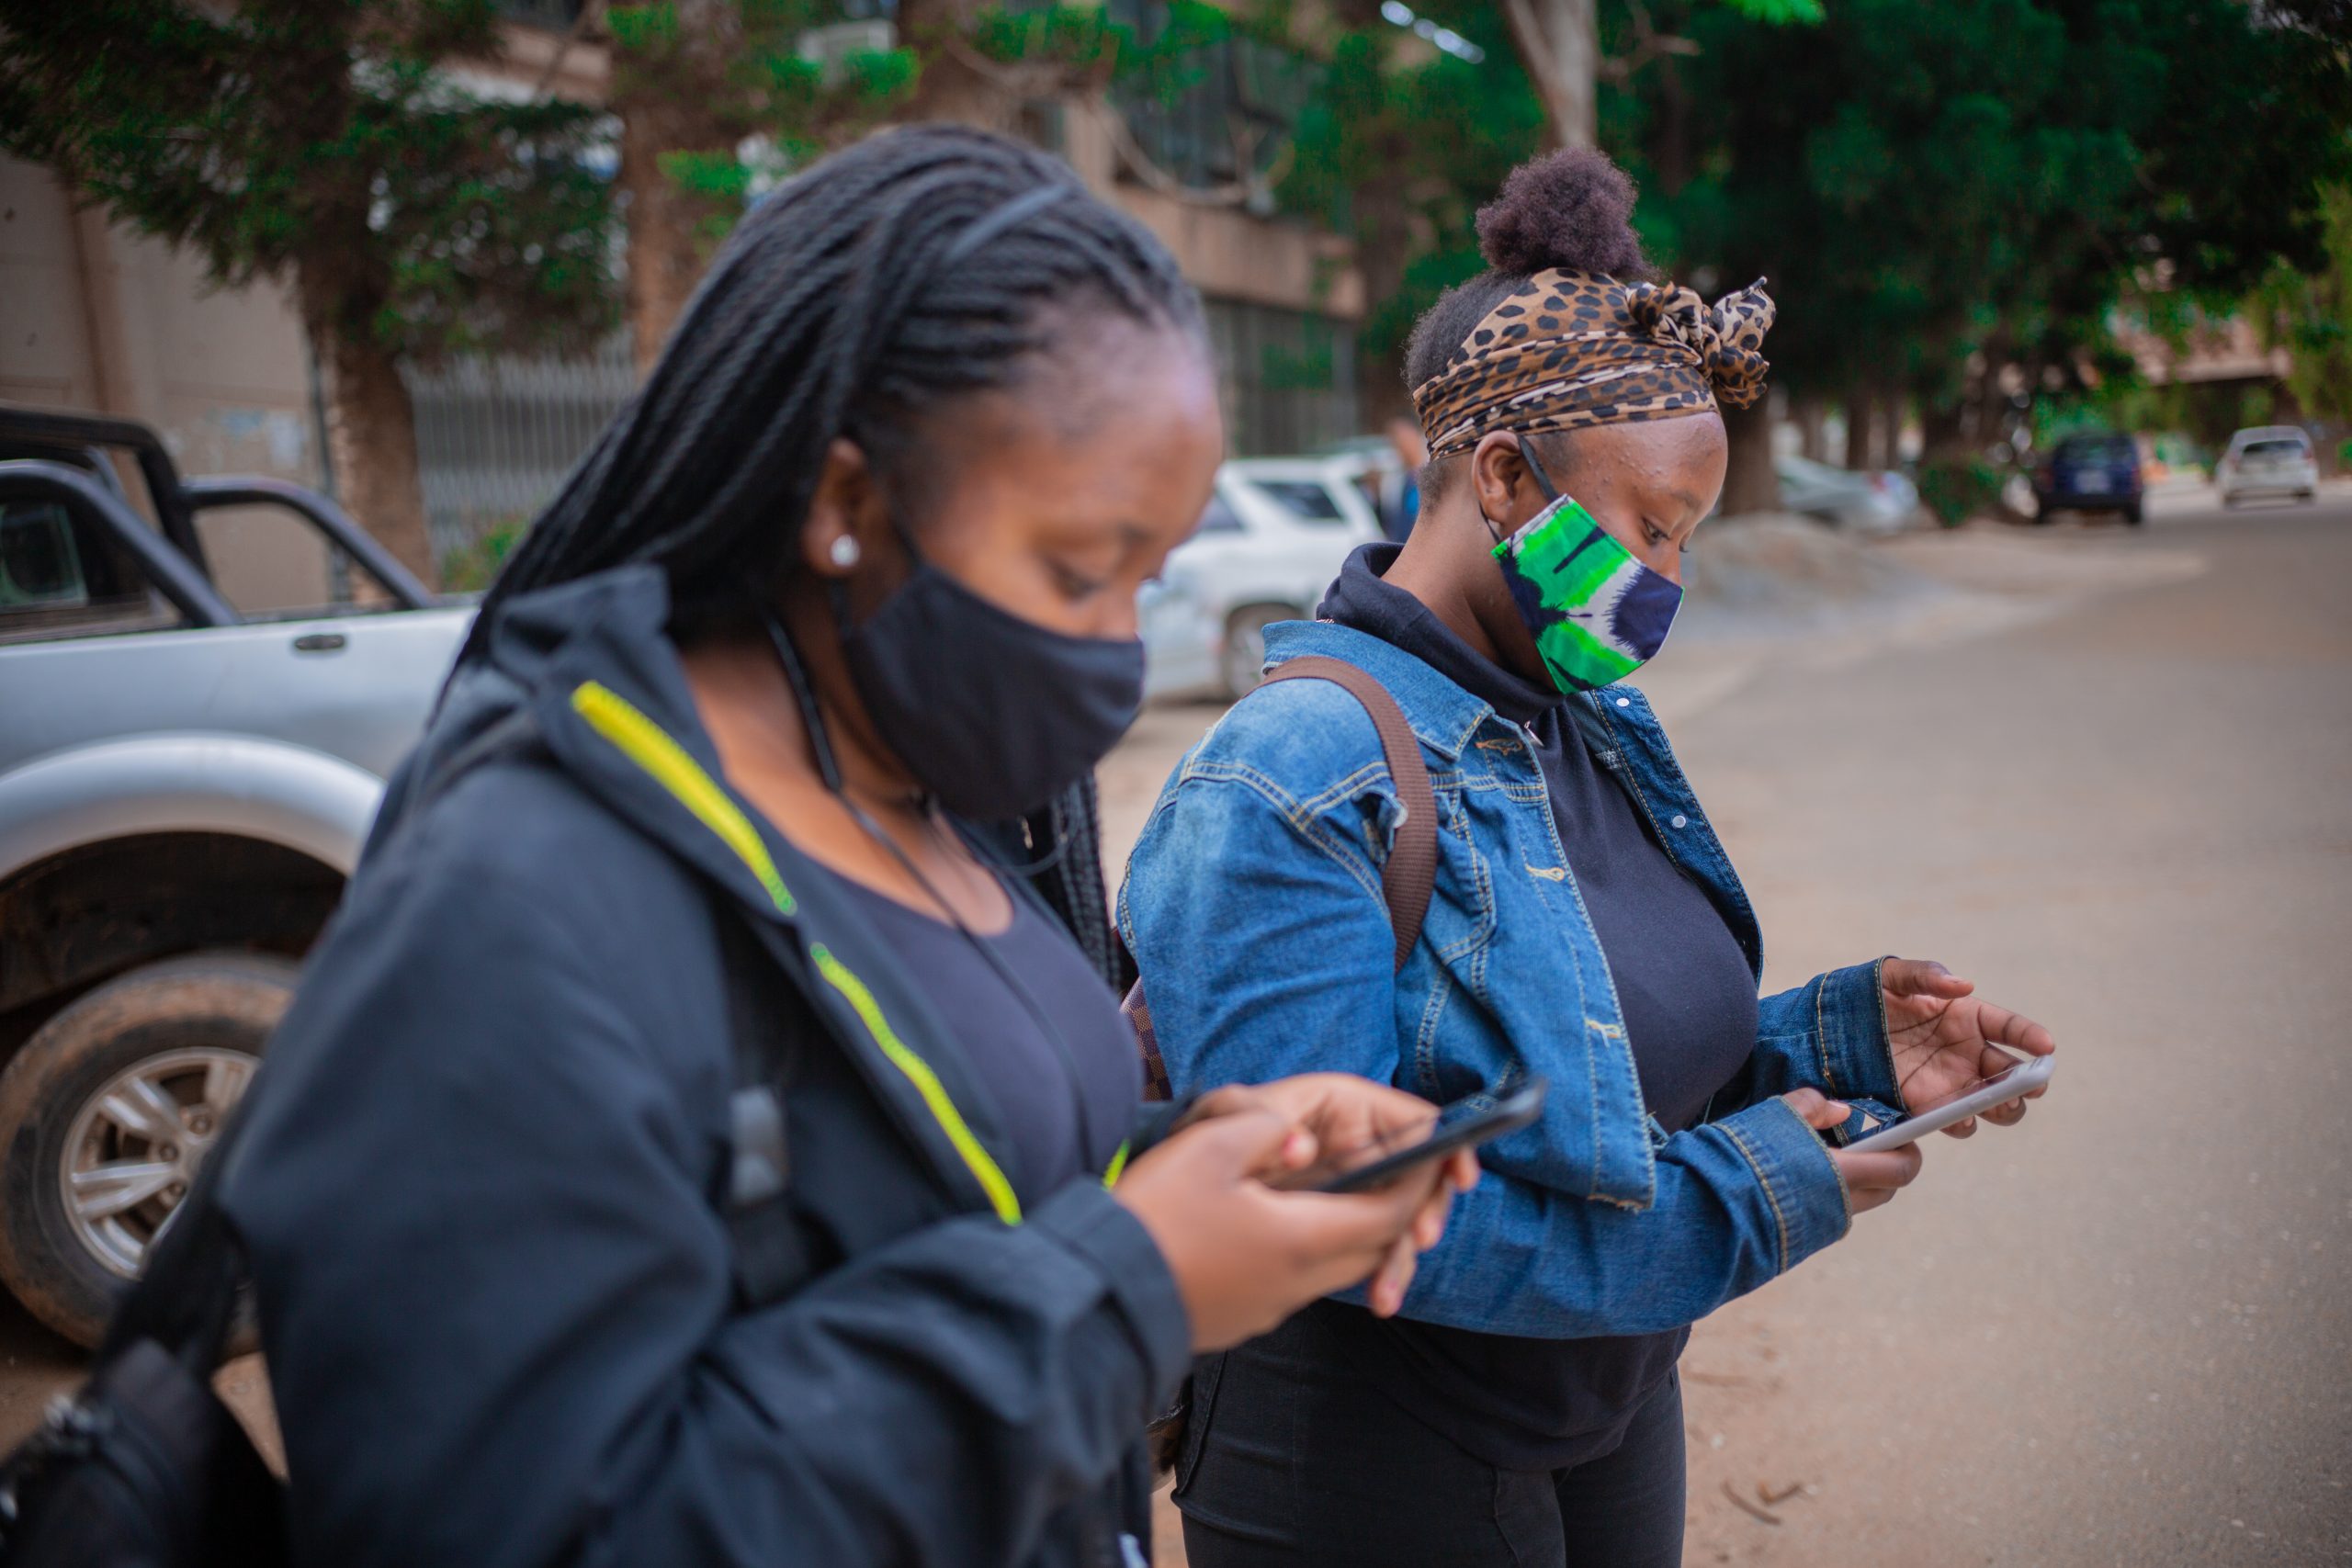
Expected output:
(1118, 1166)
(935, 1093)
(644, 743)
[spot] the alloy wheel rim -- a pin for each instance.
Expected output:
(136, 1144)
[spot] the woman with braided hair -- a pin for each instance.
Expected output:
(707, 1135)
(1584, 925)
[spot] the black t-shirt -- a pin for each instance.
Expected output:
(1689, 1007)
(1036, 1074)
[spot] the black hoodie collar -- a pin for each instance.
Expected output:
(1360, 599)
(593, 661)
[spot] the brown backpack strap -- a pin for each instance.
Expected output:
(1407, 876)
(1409, 872)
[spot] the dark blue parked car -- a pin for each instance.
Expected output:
(2096, 471)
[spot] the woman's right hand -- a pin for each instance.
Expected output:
(1246, 1256)
(1871, 1178)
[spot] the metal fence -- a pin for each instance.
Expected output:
(494, 437)
(1288, 377)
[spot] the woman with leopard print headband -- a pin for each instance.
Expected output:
(1584, 925)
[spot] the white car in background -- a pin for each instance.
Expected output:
(1873, 502)
(2269, 459)
(1273, 537)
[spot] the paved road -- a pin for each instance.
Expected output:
(2122, 1332)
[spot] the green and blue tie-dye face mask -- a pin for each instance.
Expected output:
(1597, 614)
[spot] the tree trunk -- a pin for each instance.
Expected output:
(674, 102)
(1890, 430)
(1671, 115)
(1750, 485)
(371, 437)
(1383, 236)
(1943, 437)
(665, 251)
(1862, 429)
(1811, 412)
(1559, 44)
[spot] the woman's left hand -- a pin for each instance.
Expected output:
(1944, 1038)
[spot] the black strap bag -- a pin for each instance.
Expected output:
(144, 1467)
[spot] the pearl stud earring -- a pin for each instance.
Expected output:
(844, 551)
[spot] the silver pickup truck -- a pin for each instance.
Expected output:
(183, 790)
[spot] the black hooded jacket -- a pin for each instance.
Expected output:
(481, 1187)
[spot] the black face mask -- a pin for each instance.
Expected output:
(994, 715)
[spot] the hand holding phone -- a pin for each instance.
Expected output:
(1984, 1094)
(1464, 1124)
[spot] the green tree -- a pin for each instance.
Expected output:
(1397, 146)
(1951, 198)
(713, 95)
(716, 97)
(1562, 45)
(2309, 313)
(318, 143)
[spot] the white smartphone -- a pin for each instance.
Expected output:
(1982, 1095)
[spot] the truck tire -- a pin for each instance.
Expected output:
(106, 1115)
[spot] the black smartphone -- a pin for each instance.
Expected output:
(1465, 1123)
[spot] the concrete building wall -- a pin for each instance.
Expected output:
(93, 316)
(97, 317)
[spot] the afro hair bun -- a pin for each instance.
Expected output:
(1570, 208)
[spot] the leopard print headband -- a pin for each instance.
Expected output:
(1576, 348)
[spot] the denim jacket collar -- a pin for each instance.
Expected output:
(1442, 715)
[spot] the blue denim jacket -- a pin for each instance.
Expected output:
(1253, 905)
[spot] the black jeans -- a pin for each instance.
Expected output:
(1295, 1462)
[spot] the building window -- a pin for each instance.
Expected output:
(1219, 116)
(1288, 377)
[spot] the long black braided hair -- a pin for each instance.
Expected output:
(919, 264)
(922, 265)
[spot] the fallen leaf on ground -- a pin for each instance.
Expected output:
(1750, 1509)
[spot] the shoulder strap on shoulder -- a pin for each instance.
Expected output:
(1409, 872)
(1407, 876)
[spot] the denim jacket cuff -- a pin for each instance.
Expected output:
(1849, 1020)
(1806, 1195)
(1092, 1224)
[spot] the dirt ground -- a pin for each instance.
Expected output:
(2108, 775)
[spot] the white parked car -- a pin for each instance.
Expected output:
(1271, 540)
(2269, 459)
(1878, 501)
(1327, 488)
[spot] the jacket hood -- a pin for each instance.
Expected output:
(593, 663)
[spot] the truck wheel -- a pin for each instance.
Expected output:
(1241, 662)
(2134, 513)
(106, 1115)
